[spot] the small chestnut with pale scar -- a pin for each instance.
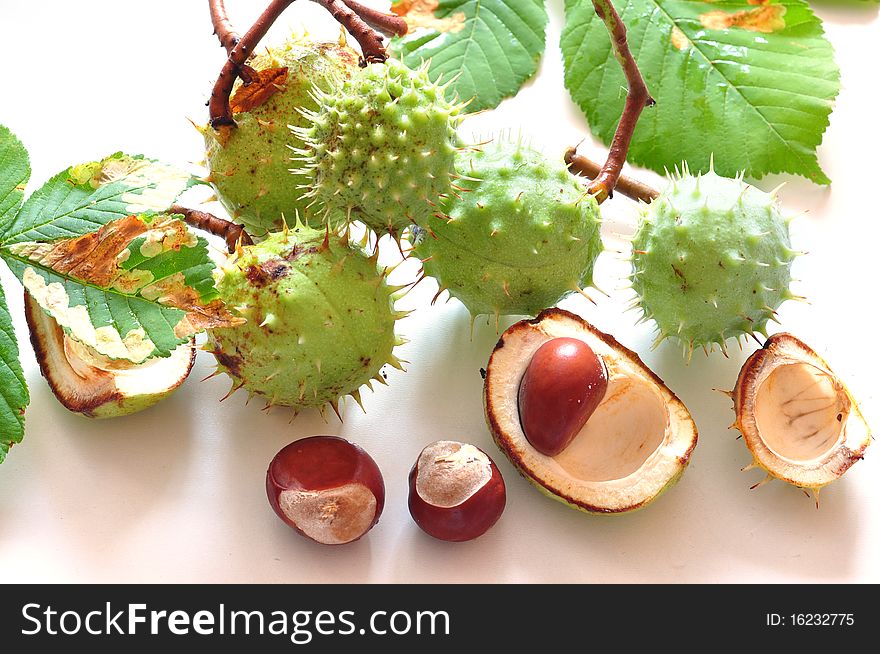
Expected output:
(564, 383)
(326, 488)
(456, 492)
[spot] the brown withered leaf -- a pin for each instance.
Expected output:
(764, 18)
(679, 40)
(265, 84)
(173, 292)
(99, 259)
(91, 258)
(208, 316)
(420, 13)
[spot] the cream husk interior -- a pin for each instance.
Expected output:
(796, 416)
(633, 445)
(155, 375)
(626, 429)
(800, 411)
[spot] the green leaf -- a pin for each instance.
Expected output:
(82, 198)
(492, 46)
(13, 389)
(15, 170)
(756, 95)
(136, 288)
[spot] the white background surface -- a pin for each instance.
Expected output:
(176, 493)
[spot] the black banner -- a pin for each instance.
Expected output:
(431, 618)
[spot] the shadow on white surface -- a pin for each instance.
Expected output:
(695, 532)
(174, 504)
(132, 473)
(667, 542)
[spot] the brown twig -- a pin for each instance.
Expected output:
(220, 112)
(231, 232)
(218, 106)
(631, 188)
(227, 36)
(370, 40)
(387, 23)
(637, 98)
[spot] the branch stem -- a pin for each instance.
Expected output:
(387, 23)
(231, 232)
(631, 188)
(356, 18)
(218, 106)
(347, 14)
(637, 98)
(227, 36)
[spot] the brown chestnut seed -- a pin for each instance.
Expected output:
(635, 445)
(326, 488)
(456, 491)
(561, 388)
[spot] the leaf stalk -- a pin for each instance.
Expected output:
(637, 98)
(578, 164)
(231, 232)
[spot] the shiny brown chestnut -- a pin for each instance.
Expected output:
(456, 492)
(563, 384)
(326, 488)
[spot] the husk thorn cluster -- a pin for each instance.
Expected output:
(320, 319)
(711, 261)
(380, 148)
(520, 234)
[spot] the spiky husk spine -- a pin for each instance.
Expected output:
(711, 261)
(320, 319)
(380, 149)
(250, 164)
(737, 424)
(520, 234)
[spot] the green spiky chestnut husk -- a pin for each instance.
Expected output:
(250, 164)
(381, 148)
(320, 319)
(522, 233)
(711, 260)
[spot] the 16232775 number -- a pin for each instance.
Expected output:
(810, 620)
